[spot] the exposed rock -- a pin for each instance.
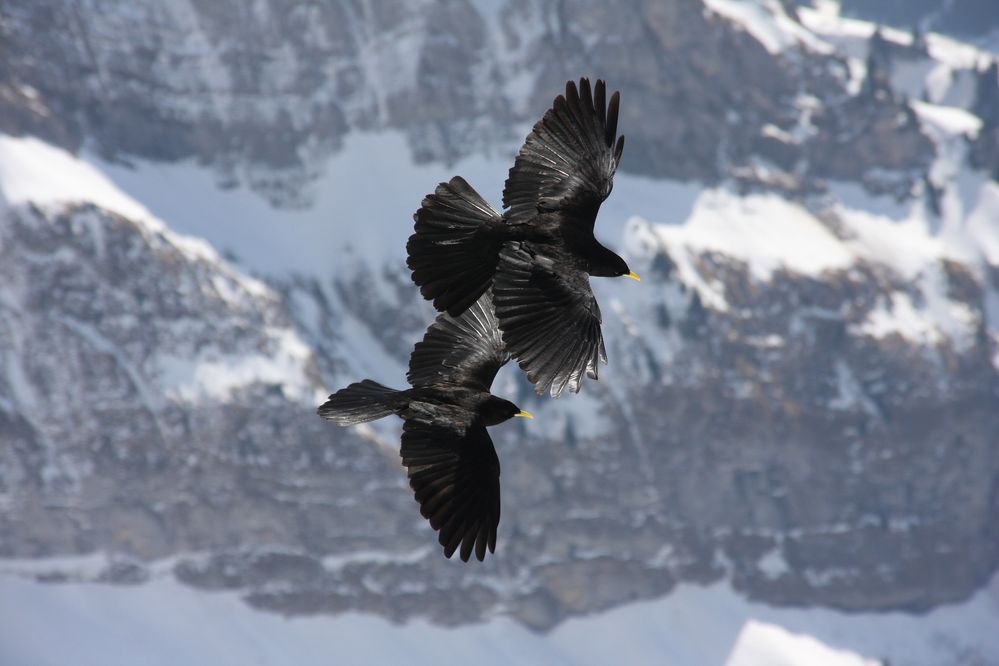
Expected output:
(264, 95)
(984, 151)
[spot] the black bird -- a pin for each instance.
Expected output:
(451, 462)
(539, 253)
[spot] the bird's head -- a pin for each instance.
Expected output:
(497, 410)
(612, 265)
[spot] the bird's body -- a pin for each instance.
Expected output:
(538, 254)
(455, 407)
(451, 461)
(561, 239)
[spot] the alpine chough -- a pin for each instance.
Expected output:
(450, 459)
(539, 253)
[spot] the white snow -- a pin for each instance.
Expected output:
(71, 567)
(760, 643)
(957, 54)
(850, 36)
(937, 319)
(334, 562)
(773, 565)
(162, 622)
(905, 246)
(900, 316)
(32, 171)
(769, 24)
(948, 119)
(850, 392)
(359, 216)
(216, 374)
(763, 230)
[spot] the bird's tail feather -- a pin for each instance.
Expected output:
(455, 249)
(361, 402)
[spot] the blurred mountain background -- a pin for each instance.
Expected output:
(794, 449)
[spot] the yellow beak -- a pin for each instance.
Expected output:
(526, 415)
(633, 276)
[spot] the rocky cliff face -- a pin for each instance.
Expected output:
(985, 147)
(260, 93)
(802, 398)
(264, 94)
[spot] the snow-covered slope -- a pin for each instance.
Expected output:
(40, 180)
(162, 622)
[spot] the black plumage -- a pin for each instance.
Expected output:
(450, 459)
(539, 253)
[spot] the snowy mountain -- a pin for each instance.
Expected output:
(203, 214)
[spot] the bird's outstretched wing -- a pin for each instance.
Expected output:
(549, 318)
(454, 474)
(568, 161)
(466, 350)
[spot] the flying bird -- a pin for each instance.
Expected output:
(450, 459)
(536, 256)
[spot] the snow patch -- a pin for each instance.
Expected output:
(850, 392)
(769, 24)
(770, 234)
(773, 565)
(358, 218)
(337, 562)
(849, 35)
(948, 119)
(905, 246)
(929, 325)
(33, 172)
(766, 232)
(760, 643)
(216, 374)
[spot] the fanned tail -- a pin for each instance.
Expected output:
(361, 402)
(455, 249)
